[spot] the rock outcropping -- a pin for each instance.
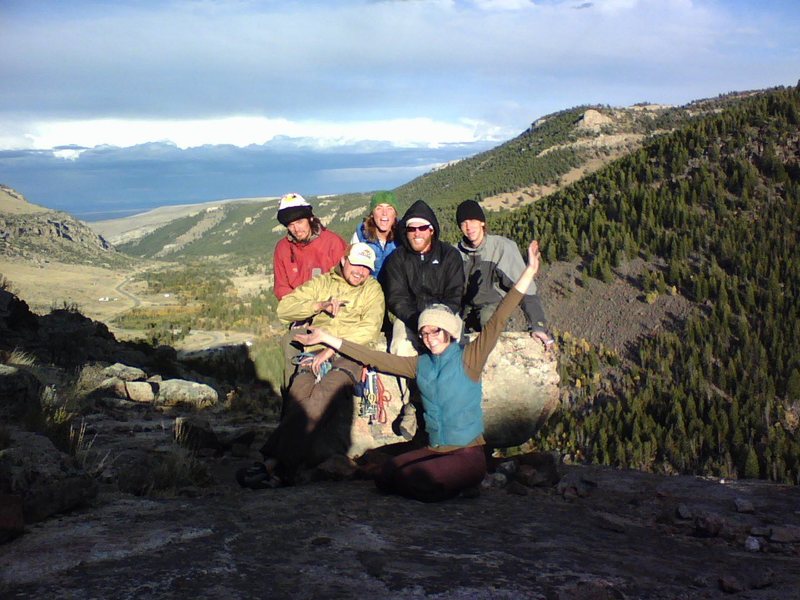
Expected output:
(37, 233)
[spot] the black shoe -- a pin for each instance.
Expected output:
(257, 477)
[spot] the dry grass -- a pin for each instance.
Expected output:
(81, 448)
(178, 469)
(18, 358)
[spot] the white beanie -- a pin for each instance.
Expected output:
(440, 315)
(293, 207)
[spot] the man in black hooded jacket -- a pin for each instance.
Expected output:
(422, 271)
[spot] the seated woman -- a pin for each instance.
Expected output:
(449, 379)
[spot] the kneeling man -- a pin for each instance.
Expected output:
(346, 300)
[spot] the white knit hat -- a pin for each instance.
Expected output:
(293, 207)
(440, 315)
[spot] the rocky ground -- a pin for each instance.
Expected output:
(614, 315)
(596, 534)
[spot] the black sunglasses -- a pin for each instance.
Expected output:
(411, 228)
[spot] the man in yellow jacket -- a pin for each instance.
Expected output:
(348, 301)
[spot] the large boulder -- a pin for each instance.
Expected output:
(169, 392)
(125, 372)
(520, 389)
(20, 393)
(179, 391)
(47, 480)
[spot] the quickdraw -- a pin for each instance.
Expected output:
(374, 397)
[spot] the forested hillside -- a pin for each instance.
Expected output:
(717, 202)
(550, 148)
(240, 233)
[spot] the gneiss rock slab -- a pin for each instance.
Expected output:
(47, 480)
(345, 540)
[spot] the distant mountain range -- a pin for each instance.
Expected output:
(554, 152)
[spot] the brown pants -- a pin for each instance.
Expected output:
(431, 476)
(310, 406)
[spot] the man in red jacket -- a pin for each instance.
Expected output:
(308, 248)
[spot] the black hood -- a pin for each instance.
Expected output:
(419, 210)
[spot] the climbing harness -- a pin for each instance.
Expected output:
(324, 368)
(374, 397)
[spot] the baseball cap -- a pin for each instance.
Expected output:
(362, 255)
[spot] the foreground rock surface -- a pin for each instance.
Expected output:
(599, 533)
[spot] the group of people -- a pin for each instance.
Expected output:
(399, 277)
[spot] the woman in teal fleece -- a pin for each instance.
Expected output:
(449, 380)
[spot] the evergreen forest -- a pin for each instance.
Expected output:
(717, 202)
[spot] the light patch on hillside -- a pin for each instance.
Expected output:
(530, 194)
(14, 203)
(356, 213)
(47, 285)
(593, 120)
(130, 229)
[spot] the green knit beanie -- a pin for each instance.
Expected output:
(383, 198)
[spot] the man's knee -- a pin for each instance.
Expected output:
(403, 340)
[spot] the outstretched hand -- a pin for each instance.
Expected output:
(316, 335)
(546, 340)
(534, 256)
(312, 336)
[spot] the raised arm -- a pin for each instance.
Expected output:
(534, 257)
(476, 353)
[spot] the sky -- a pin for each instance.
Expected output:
(111, 108)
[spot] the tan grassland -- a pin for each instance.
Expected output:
(13, 203)
(533, 193)
(103, 294)
(51, 284)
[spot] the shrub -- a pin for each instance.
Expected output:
(178, 469)
(66, 305)
(268, 358)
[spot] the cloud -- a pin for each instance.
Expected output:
(354, 63)
(128, 101)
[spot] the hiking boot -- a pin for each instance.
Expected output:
(257, 477)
